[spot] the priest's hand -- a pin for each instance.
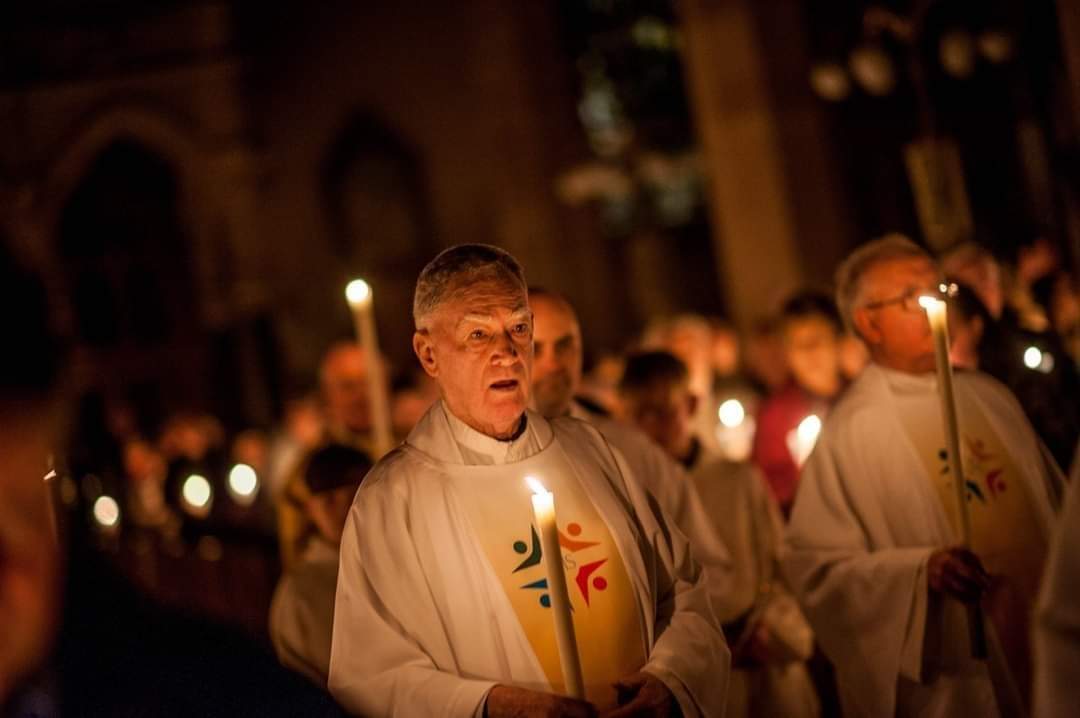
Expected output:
(757, 650)
(644, 696)
(512, 702)
(958, 572)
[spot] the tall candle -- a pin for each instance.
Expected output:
(359, 295)
(543, 502)
(939, 327)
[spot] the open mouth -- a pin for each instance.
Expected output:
(505, 385)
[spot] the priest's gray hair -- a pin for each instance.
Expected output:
(850, 287)
(456, 269)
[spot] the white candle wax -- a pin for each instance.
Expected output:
(937, 315)
(359, 295)
(939, 327)
(543, 502)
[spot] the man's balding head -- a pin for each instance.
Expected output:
(457, 269)
(557, 352)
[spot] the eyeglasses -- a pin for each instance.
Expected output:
(909, 300)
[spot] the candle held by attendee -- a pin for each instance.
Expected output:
(359, 295)
(544, 511)
(937, 315)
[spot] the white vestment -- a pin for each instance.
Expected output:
(423, 625)
(674, 490)
(1057, 633)
(737, 499)
(866, 519)
(302, 612)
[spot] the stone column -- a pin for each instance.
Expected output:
(753, 226)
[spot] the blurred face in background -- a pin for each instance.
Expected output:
(812, 351)
(29, 554)
(725, 351)
(664, 411)
(965, 333)
(344, 382)
(557, 355)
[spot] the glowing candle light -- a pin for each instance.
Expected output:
(197, 495)
(106, 512)
(731, 413)
(360, 298)
(801, 441)
(939, 327)
(544, 510)
(243, 484)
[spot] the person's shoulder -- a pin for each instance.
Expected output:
(390, 475)
(575, 428)
(990, 390)
(981, 382)
(862, 399)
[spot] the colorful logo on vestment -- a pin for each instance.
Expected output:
(585, 574)
(982, 468)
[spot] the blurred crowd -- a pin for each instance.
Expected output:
(220, 521)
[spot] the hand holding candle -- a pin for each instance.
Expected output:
(359, 295)
(544, 510)
(936, 314)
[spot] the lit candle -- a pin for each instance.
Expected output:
(801, 440)
(544, 510)
(359, 295)
(939, 327)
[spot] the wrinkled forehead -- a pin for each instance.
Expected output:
(484, 299)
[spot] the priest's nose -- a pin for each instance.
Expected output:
(505, 348)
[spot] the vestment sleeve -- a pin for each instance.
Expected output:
(377, 666)
(689, 652)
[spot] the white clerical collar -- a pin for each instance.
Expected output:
(480, 449)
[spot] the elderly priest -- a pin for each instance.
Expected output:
(873, 548)
(442, 604)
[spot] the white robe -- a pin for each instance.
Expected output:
(302, 612)
(1057, 632)
(422, 624)
(677, 495)
(865, 521)
(736, 497)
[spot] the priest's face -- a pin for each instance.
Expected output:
(477, 345)
(557, 349)
(893, 324)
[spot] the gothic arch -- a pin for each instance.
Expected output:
(157, 129)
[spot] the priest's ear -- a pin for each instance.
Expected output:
(424, 348)
(866, 326)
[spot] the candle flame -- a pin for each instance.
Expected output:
(535, 485)
(358, 292)
(808, 429)
(731, 413)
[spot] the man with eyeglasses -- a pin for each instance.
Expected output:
(873, 550)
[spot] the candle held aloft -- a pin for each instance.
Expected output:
(543, 502)
(937, 315)
(359, 295)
